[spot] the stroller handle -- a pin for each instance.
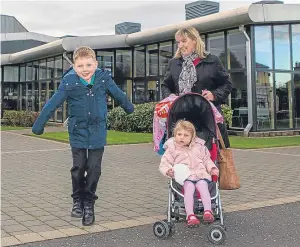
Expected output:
(214, 178)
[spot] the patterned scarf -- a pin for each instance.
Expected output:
(188, 75)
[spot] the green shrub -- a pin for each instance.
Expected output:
(227, 113)
(141, 120)
(20, 118)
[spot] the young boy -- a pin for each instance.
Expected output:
(84, 87)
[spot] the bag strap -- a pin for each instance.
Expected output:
(220, 138)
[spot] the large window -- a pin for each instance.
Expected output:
(265, 100)
(10, 92)
(11, 73)
(216, 45)
(263, 47)
(152, 60)
(58, 67)
(106, 60)
(50, 68)
(139, 61)
(165, 55)
(123, 63)
(297, 100)
(42, 69)
(296, 46)
(282, 47)
(236, 50)
(35, 70)
(239, 103)
(29, 71)
(284, 116)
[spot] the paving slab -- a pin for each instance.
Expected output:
(36, 186)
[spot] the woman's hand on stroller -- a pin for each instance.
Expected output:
(214, 171)
(170, 173)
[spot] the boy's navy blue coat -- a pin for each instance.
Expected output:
(87, 108)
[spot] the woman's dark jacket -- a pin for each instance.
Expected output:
(211, 75)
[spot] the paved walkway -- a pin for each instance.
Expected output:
(36, 187)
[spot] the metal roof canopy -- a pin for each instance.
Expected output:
(250, 14)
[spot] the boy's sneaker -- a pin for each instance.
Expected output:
(88, 217)
(77, 210)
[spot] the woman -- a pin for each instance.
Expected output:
(194, 70)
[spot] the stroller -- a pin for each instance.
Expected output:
(196, 109)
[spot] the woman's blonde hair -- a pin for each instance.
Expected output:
(193, 34)
(185, 125)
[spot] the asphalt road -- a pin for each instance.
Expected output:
(277, 226)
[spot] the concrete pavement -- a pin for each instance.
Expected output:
(36, 187)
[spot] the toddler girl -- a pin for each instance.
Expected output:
(186, 148)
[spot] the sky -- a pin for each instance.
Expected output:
(87, 18)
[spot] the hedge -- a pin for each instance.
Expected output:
(141, 120)
(20, 118)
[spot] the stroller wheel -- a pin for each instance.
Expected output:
(172, 229)
(161, 229)
(216, 234)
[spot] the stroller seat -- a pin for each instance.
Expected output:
(178, 189)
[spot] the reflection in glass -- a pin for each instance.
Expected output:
(125, 85)
(265, 100)
(23, 97)
(238, 102)
(29, 93)
(29, 72)
(297, 100)
(152, 59)
(139, 61)
(50, 68)
(42, 69)
(263, 47)
(236, 50)
(66, 65)
(151, 93)
(284, 116)
(106, 60)
(35, 71)
(123, 63)
(58, 67)
(10, 96)
(296, 46)
(216, 45)
(22, 73)
(282, 47)
(139, 92)
(165, 55)
(11, 73)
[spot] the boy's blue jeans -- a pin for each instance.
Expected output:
(86, 160)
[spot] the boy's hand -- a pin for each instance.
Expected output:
(214, 171)
(170, 173)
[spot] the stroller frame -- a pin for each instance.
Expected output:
(165, 228)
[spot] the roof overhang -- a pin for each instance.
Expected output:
(249, 14)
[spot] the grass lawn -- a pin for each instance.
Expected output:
(116, 137)
(113, 137)
(263, 142)
(4, 127)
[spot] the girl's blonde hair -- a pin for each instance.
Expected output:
(185, 125)
(193, 34)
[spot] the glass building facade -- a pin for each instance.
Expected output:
(139, 71)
